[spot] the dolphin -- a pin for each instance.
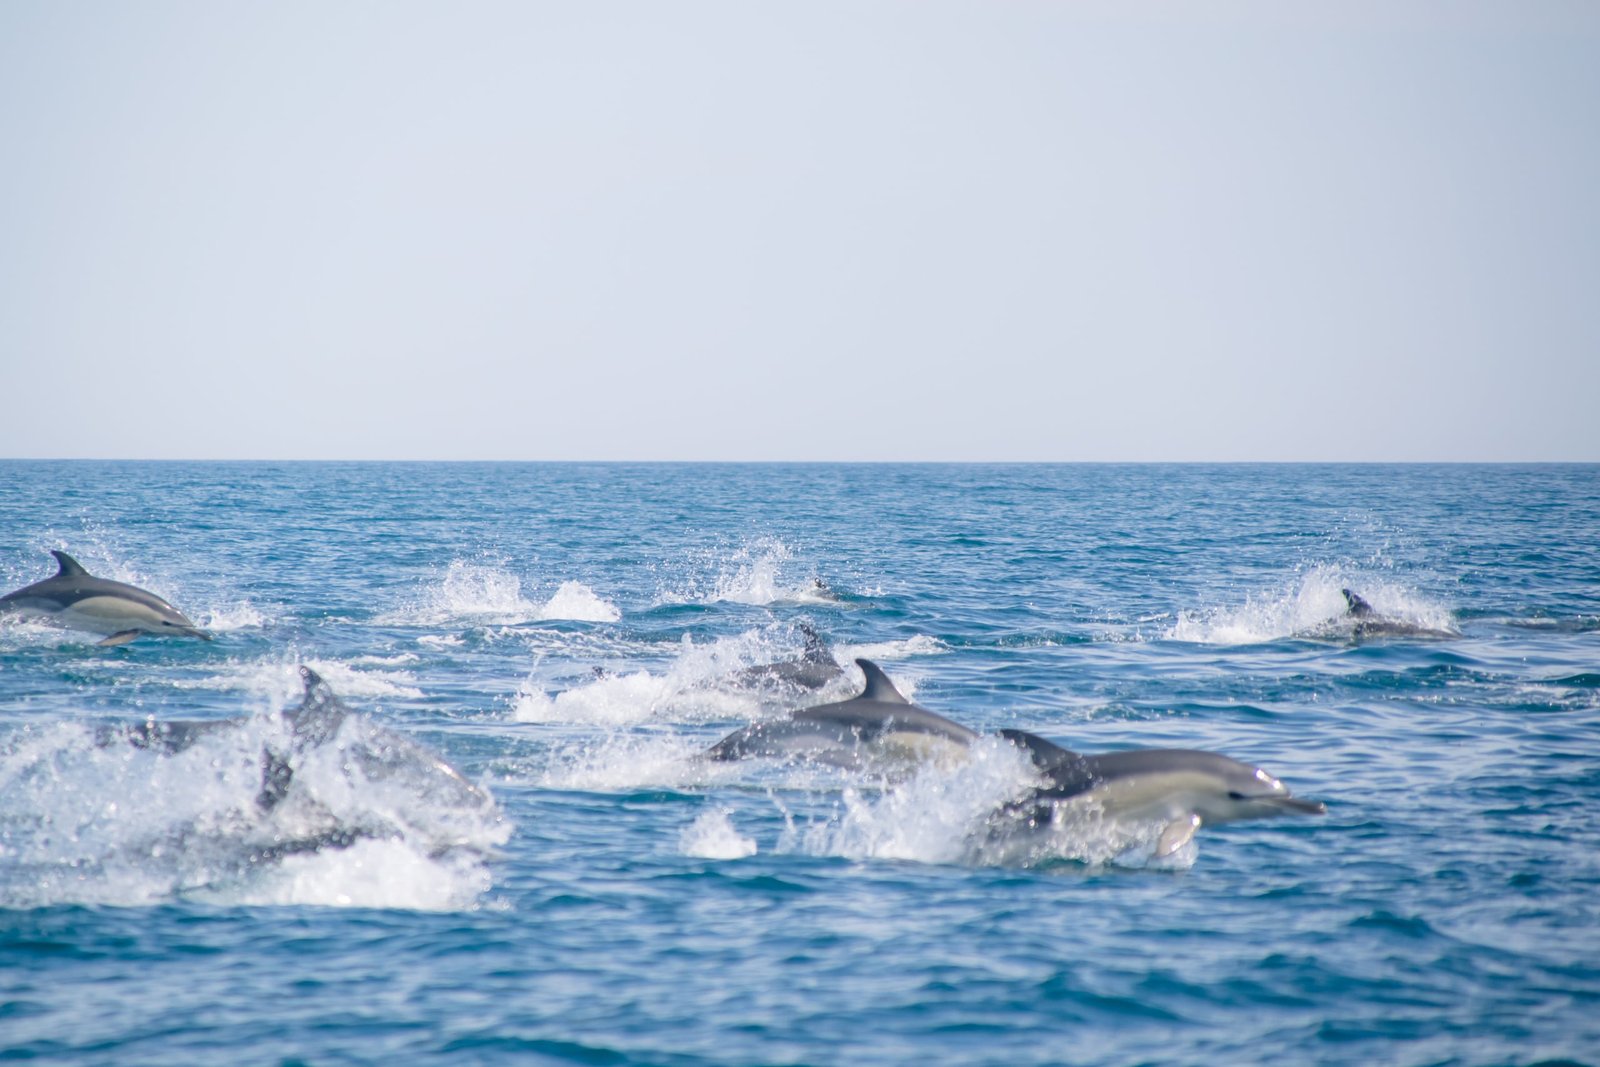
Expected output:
(1182, 789)
(319, 720)
(878, 724)
(1366, 621)
(74, 598)
(814, 669)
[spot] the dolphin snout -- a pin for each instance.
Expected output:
(1301, 807)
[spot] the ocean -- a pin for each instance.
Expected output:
(564, 635)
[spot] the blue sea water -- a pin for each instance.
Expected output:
(562, 634)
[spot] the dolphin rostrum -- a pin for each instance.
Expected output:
(74, 598)
(1182, 789)
(880, 723)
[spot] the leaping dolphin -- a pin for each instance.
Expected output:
(74, 598)
(878, 724)
(1183, 789)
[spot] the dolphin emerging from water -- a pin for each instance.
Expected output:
(1366, 621)
(379, 754)
(878, 724)
(74, 598)
(814, 669)
(1182, 789)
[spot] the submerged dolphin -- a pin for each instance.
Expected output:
(74, 598)
(814, 669)
(379, 754)
(880, 723)
(1183, 789)
(1366, 621)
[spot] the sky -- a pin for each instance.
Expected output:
(988, 230)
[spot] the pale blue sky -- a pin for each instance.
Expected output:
(831, 231)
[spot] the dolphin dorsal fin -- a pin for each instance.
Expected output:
(1358, 606)
(319, 716)
(1045, 754)
(70, 568)
(816, 650)
(879, 687)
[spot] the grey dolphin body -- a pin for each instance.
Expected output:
(878, 724)
(814, 669)
(74, 598)
(1183, 789)
(379, 754)
(1365, 621)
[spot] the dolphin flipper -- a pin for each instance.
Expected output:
(121, 637)
(1178, 832)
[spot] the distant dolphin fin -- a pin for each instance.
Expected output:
(121, 637)
(70, 568)
(319, 715)
(879, 687)
(816, 649)
(1045, 754)
(1178, 832)
(1358, 606)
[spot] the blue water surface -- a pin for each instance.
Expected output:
(564, 634)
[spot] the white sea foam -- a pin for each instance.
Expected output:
(1310, 605)
(760, 573)
(690, 688)
(482, 593)
(712, 836)
(951, 814)
(241, 615)
(277, 682)
(122, 825)
(631, 761)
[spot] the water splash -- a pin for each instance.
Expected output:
(954, 814)
(1311, 605)
(760, 574)
(712, 836)
(95, 820)
(482, 593)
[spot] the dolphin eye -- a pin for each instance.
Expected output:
(1234, 794)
